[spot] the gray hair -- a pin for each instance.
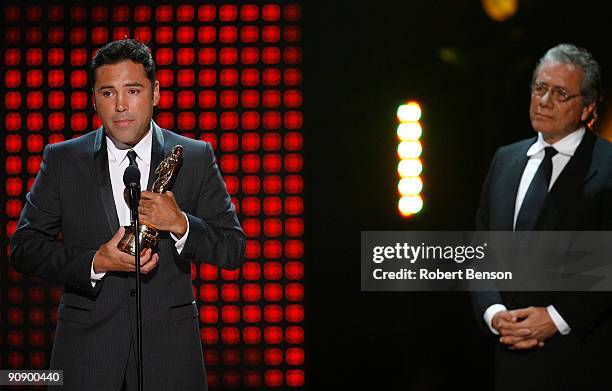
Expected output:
(566, 53)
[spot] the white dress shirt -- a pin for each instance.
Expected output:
(566, 148)
(117, 163)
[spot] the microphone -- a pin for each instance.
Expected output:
(131, 180)
(131, 177)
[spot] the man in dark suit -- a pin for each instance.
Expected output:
(78, 193)
(560, 180)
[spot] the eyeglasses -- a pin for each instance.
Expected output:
(559, 94)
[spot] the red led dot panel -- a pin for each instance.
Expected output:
(230, 74)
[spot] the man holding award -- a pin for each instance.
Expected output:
(71, 231)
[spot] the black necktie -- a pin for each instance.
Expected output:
(132, 156)
(126, 192)
(536, 194)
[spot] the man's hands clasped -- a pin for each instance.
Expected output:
(524, 328)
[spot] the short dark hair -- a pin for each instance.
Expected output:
(124, 49)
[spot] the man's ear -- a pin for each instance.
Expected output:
(94, 99)
(588, 112)
(156, 93)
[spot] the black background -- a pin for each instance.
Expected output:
(362, 60)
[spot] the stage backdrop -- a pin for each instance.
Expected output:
(230, 74)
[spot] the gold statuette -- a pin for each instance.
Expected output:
(165, 175)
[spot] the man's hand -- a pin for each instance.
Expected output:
(162, 212)
(513, 334)
(536, 319)
(109, 258)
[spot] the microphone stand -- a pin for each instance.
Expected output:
(134, 198)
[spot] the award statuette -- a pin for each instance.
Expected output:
(165, 175)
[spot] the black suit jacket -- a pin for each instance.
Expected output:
(72, 196)
(580, 200)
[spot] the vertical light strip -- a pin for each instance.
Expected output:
(410, 166)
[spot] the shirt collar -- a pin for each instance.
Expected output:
(566, 146)
(142, 149)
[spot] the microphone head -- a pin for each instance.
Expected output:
(131, 176)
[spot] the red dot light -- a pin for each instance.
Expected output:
(228, 77)
(55, 35)
(99, 35)
(56, 100)
(12, 78)
(228, 34)
(294, 270)
(294, 356)
(12, 121)
(249, 56)
(251, 292)
(292, 12)
(185, 78)
(12, 100)
(273, 378)
(292, 34)
(99, 13)
(294, 334)
(250, 120)
(249, 13)
(271, 12)
(230, 335)
(34, 56)
(272, 206)
(121, 14)
(164, 56)
(12, 57)
(12, 143)
(249, 34)
(78, 100)
(164, 35)
(34, 100)
(121, 33)
(230, 314)
(273, 292)
(78, 13)
(273, 356)
(78, 57)
(56, 121)
(228, 13)
(295, 378)
(78, 78)
(142, 13)
(12, 35)
(252, 335)
(207, 77)
(163, 13)
(13, 13)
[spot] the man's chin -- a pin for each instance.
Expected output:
(543, 127)
(122, 142)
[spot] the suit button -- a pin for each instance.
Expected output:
(132, 292)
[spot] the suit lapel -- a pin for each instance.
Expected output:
(509, 189)
(105, 190)
(561, 198)
(157, 152)
(508, 204)
(569, 185)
